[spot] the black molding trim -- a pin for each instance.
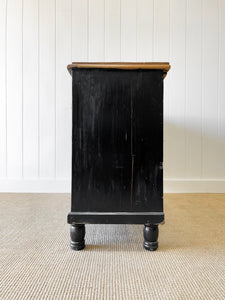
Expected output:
(115, 218)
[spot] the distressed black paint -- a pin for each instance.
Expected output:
(148, 141)
(101, 165)
(117, 153)
(117, 140)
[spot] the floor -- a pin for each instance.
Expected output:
(37, 263)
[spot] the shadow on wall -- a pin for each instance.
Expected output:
(190, 152)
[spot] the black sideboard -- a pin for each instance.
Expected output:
(117, 147)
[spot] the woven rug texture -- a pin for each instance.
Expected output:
(37, 262)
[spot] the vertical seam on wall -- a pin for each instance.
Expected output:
(136, 17)
(120, 26)
(219, 70)
(153, 28)
(6, 106)
(87, 30)
(186, 100)
(22, 104)
(55, 97)
(38, 96)
(104, 29)
(202, 105)
(169, 87)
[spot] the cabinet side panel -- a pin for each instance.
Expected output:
(147, 139)
(101, 158)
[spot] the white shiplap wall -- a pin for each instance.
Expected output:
(38, 38)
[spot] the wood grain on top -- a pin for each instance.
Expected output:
(165, 66)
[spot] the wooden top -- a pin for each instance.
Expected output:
(165, 66)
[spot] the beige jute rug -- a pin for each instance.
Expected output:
(37, 263)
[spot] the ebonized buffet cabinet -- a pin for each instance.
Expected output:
(117, 147)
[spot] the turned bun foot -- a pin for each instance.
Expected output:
(77, 233)
(151, 233)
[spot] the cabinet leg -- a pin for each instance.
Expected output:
(77, 233)
(151, 233)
